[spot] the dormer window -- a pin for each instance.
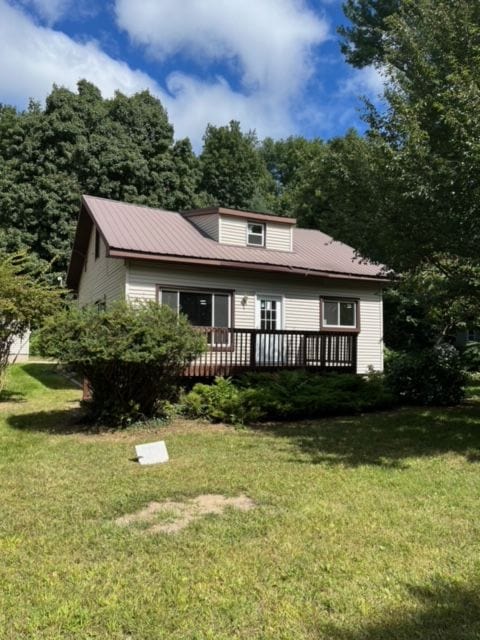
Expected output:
(244, 228)
(256, 234)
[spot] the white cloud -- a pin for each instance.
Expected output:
(192, 104)
(34, 57)
(269, 41)
(367, 81)
(270, 45)
(49, 10)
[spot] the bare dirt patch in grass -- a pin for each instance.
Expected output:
(180, 514)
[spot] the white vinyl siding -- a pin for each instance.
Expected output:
(233, 231)
(104, 278)
(208, 224)
(301, 300)
(20, 349)
(279, 237)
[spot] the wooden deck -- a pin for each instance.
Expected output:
(233, 351)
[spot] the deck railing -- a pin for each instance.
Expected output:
(232, 351)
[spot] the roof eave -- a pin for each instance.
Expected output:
(248, 266)
(85, 223)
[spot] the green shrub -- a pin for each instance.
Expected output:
(428, 377)
(471, 356)
(222, 401)
(286, 395)
(131, 356)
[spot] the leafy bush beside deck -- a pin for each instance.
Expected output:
(131, 355)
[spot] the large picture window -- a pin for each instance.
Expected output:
(203, 309)
(339, 314)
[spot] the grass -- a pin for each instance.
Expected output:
(366, 528)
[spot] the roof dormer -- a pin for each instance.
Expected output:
(244, 228)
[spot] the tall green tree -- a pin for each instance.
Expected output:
(233, 172)
(424, 222)
(288, 162)
(363, 41)
(121, 148)
(430, 132)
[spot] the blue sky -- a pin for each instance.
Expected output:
(274, 65)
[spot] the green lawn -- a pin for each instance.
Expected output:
(365, 527)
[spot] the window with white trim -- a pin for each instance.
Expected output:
(203, 309)
(256, 234)
(339, 314)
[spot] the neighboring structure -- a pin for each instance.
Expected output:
(464, 337)
(267, 294)
(20, 349)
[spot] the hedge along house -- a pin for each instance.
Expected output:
(266, 294)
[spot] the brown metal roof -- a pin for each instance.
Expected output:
(145, 233)
(240, 213)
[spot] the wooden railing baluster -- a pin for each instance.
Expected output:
(232, 351)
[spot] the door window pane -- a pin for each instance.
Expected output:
(170, 298)
(330, 313)
(221, 310)
(268, 315)
(197, 307)
(347, 314)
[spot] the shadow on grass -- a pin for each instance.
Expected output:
(11, 396)
(49, 375)
(386, 439)
(60, 422)
(442, 611)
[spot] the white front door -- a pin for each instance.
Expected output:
(269, 320)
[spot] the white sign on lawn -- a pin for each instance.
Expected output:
(152, 452)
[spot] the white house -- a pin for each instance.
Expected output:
(267, 294)
(20, 349)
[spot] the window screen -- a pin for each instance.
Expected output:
(256, 234)
(170, 298)
(221, 314)
(202, 310)
(330, 313)
(340, 314)
(197, 307)
(347, 314)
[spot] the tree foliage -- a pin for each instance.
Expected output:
(120, 148)
(432, 303)
(363, 42)
(430, 131)
(289, 162)
(431, 376)
(131, 355)
(233, 173)
(25, 300)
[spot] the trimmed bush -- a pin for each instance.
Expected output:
(428, 377)
(286, 395)
(131, 356)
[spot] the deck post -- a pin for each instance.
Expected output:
(253, 349)
(354, 353)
